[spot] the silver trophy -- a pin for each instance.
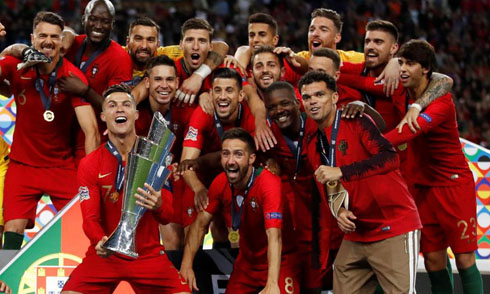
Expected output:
(147, 163)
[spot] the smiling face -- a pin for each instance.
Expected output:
(142, 43)
(261, 34)
(411, 73)
(379, 48)
(319, 102)
(266, 69)
(236, 160)
(162, 83)
(98, 23)
(47, 39)
(283, 108)
(119, 113)
(196, 44)
(226, 96)
(322, 33)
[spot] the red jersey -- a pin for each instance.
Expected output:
(263, 208)
(37, 142)
(203, 134)
(298, 190)
(392, 109)
(435, 146)
(378, 195)
(347, 95)
(101, 206)
(179, 117)
(112, 66)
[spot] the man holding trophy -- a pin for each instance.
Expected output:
(101, 177)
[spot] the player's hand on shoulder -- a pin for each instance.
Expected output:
(206, 103)
(289, 54)
(231, 62)
(264, 137)
(73, 85)
(391, 77)
(101, 251)
(31, 57)
(189, 276)
(186, 165)
(148, 198)
(352, 109)
(410, 118)
(187, 92)
(345, 220)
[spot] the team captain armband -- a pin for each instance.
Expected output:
(337, 197)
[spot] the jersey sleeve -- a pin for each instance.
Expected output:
(383, 156)
(122, 70)
(8, 65)
(272, 201)
(351, 68)
(215, 193)
(200, 123)
(165, 211)
(90, 200)
(436, 113)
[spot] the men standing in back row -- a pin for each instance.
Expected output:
(42, 158)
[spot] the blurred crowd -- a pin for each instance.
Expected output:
(458, 29)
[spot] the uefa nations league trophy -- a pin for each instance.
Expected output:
(147, 163)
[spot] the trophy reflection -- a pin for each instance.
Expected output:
(147, 163)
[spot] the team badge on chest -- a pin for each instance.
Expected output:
(343, 146)
(253, 204)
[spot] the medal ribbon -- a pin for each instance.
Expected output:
(219, 125)
(297, 150)
(236, 219)
(329, 159)
(39, 84)
(120, 168)
(185, 67)
(78, 57)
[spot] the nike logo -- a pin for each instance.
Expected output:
(103, 176)
(25, 78)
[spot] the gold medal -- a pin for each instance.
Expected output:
(233, 236)
(48, 115)
(332, 184)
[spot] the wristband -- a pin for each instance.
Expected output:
(416, 106)
(203, 71)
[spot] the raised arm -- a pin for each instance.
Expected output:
(86, 119)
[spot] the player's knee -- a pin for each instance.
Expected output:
(17, 226)
(435, 261)
(465, 260)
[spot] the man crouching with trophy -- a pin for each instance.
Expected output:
(101, 178)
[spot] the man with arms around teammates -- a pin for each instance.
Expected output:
(443, 189)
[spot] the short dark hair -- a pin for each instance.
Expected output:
(118, 88)
(419, 51)
(196, 24)
(317, 76)
(383, 25)
(329, 53)
(242, 135)
(330, 14)
(263, 18)
(280, 85)
(143, 21)
(228, 73)
(265, 49)
(160, 60)
(49, 17)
